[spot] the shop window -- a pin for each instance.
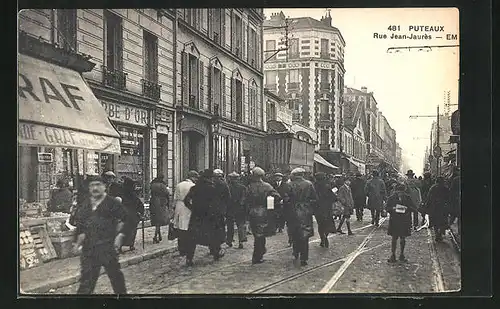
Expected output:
(66, 28)
(131, 162)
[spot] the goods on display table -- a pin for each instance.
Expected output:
(35, 246)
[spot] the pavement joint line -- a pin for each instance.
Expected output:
(349, 260)
(436, 267)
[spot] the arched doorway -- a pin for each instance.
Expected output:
(193, 150)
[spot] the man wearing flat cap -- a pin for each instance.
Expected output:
(97, 221)
(261, 219)
(280, 186)
(236, 211)
(377, 194)
(299, 214)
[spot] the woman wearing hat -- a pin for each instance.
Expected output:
(399, 206)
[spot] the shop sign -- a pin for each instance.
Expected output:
(45, 157)
(161, 129)
(293, 65)
(126, 113)
(40, 135)
(270, 66)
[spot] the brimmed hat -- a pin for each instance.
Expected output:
(109, 174)
(193, 174)
(218, 172)
(94, 178)
(278, 174)
(298, 170)
(257, 171)
(233, 175)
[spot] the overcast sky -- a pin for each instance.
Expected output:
(405, 83)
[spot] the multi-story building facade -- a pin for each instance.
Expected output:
(132, 50)
(354, 135)
(219, 84)
(448, 149)
(308, 74)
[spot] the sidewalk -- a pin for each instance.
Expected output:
(59, 273)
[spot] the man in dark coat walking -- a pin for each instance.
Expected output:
(437, 207)
(455, 197)
(324, 208)
(358, 195)
(261, 221)
(222, 199)
(376, 192)
(236, 211)
(280, 186)
(135, 210)
(158, 206)
(206, 224)
(424, 191)
(302, 197)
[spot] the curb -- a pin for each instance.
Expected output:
(72, 279)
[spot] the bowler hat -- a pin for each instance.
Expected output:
(410, 173)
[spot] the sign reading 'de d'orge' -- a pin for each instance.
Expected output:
(127, 114)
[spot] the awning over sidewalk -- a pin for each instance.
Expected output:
(58, 109)
(319, 159)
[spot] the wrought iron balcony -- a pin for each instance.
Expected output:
(114, 78)
(151, 90)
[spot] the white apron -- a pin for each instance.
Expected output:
(182, 214)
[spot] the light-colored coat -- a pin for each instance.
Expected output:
(182, 214)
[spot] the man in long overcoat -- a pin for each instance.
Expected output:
(261, 221)
(376, 192)
(299, 213)
(182, 214)
(158, 206)
(236, 211)
(222, 199)
(344, 196)
(437, 206)
(358, 195)
(324, 208)
(206, 225)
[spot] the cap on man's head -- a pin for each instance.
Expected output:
(375, 173)
(298, 170)
(257, 171)
(109, 174)
(278, 175)
(218, 172)
(193, 174)
(233, 175)
(95, 178)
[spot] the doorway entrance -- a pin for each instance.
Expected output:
(193, 151)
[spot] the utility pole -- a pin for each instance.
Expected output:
(275, 51)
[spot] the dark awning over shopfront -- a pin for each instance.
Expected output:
(58, 109)
(319, 159)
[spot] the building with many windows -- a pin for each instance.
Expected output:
(132, 54)
(219, 83)
(309, 74)
(355, 132)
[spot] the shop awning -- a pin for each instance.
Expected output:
(319, 159)
(58, 109)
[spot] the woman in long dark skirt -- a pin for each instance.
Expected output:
(135, 210)
(158, 206)
(324, 208)
(399, 206)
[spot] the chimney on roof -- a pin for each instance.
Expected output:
(277, 16)
(327, 20)
(364, 89)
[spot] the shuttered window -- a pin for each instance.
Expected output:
(150, 57)
(66, 28)
(114, 42)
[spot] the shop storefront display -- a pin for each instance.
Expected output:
(61, 128)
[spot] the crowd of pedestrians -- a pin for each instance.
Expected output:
(207, 206)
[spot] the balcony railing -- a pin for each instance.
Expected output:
(151, 90)
(293, 85)
(114, 78)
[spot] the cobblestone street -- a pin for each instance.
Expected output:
(352, 264)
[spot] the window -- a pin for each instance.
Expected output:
(252, 47)
(306, 41)
(151, 57)
(324, 138)
(252, 105)
(193, 78)
(270, 49)
(216, 23)
(293, 49)
(296, 108)
(324, 112)
(114, 42)
(271, 111)
(239, 101)
(238, 36)
(324, 80)
(293, 76)
(270, 79)
(66, 28)
(324, 48)
(305, 47)
(216, 91)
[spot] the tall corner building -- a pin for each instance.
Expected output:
(309, 74)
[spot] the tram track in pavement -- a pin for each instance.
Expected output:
(347, 260)
(300, 274)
